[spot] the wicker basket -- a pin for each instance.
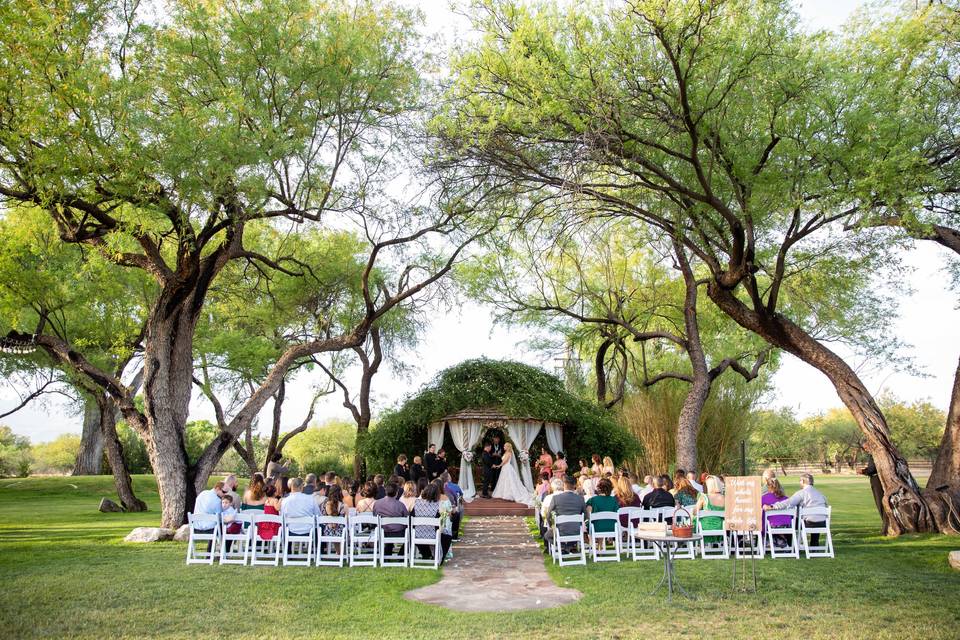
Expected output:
(684, 530)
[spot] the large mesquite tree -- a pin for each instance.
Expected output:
(721, 124)
(157, 142)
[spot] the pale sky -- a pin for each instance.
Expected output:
(928, 320)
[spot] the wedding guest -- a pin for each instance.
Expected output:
(587, 484)
(430, 462)
(401, 469)
(284, 483)
(692, 479)
(409, 495)
(230, 487)
(774, 494)
(646, 488)
(560, 465)
(299, 505)
(684, 494)
(564, 503)
(637, 489)
(209, 502)
(556, 486)
(666, 483)
(623, 492)
(455, 494)
(659, 496)
(229, 515)
(608, 468)
(320, 495)
(254, 497)
(767, 474)
(422, 484)
(428, 506)
(276, 468)
(271, 507)
(349, 489)
(712, 500)
(378, 481)
(545, 463)
(368, 495)
(390, 507)
(334, 507)
(807, 496)
(543, 488)
(416, 469)
(596, 465)
(603, 502)
(309, 484)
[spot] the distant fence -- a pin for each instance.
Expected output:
(919, 467)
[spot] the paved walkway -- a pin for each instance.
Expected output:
(496, 566)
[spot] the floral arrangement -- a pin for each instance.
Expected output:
(524, 456)
(468, 456)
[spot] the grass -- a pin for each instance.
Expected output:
(67, 574)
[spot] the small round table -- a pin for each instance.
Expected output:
(665, 543)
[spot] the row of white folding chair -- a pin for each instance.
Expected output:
(360, 539)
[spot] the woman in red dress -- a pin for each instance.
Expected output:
(267, 530)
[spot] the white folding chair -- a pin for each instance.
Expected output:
(364, 537)
(205, 531)
(627, 514)
(235, 548)
(336, 526)
(266, 551)
(574, 539)
(743, 541)
(681, 515)
(642, 549)
(298, 546)
(401, 539)
(789, 531)
(602, 541)
(425, 532)
(715, 549)
(809, 515)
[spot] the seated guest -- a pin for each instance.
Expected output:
(767, 474)
(254, 497)
(390, 507)
(684, 494)
(350, 489)
(409, 495)
(229, 515)
(378, 481)
(271, 507)
(603, 502)
(284, 483)
(587, 484)
(422, 484)
(309, 484)
(556, 486)
(455, 494)
(544, 487)
(320, 495)
(209, 502)
(623, 492)
(773, 495)
(659, 497)
(230, 487)
(564, 503)
(807, 496)
(692, 479)
(666, 483)
(428, 506)
(299, 505)
(334, 507)
(712, 500)
(368, 495)
(416, 469)
(401, 469)
(646, 488)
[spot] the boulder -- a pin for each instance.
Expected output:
(109, 506)
(182, 534)
(954, 559)
(149, 534)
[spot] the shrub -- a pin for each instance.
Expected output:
(325, 448)
(15, 455)
(57, 456)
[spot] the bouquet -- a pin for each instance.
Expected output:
(524, 456)
(468, 456)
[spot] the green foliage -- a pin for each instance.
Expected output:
(916, 427)
(15, 456)
(516, 389)
(134, 449)
(57, 456)
(328, 447)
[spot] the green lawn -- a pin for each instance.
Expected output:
(66, 573)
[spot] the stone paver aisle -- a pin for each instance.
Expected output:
(496, 566)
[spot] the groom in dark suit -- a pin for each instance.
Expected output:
(487, 462)
(496, 450)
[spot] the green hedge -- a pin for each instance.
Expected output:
(515, 388)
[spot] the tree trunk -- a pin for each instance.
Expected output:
(107, 412)
(90, 457)
(905, 508)
(946, 467)
(688, 424)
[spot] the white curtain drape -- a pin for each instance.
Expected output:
(522, 433)
(465, 435)
(554, 436)
(435, 434)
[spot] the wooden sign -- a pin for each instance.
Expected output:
(742, 500)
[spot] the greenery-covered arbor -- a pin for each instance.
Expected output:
(515, 388)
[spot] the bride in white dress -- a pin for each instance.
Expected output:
(510, 486)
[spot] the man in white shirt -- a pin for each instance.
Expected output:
(807, 496)
(209, 503)
(298, 505)
(692, 479)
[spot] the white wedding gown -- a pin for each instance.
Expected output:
(510, 486)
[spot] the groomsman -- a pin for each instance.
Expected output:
(430, 462)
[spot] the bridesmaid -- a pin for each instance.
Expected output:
(545, 463)
(560, 466)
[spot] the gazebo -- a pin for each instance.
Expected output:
(468, 426)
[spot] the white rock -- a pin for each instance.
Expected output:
(954, 559)
(149, 534)
(182, 534)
